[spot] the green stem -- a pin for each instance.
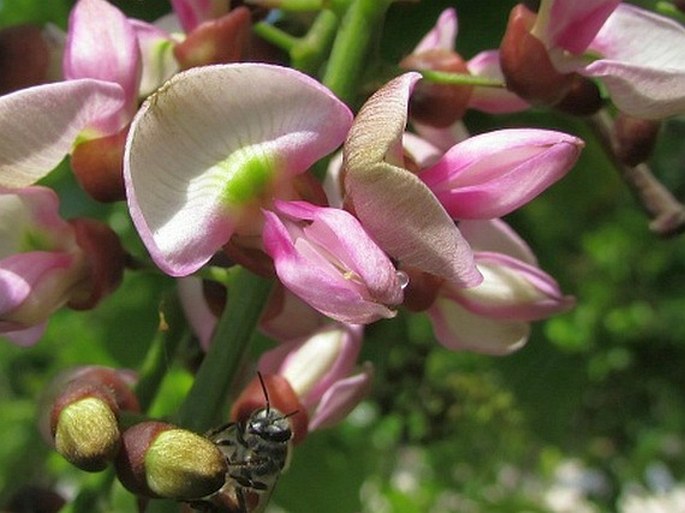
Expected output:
(247, 294)
(172, 330)
(275, 36)
(351, 46)
(443, 77)
(310, 51)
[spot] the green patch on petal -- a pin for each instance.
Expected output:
(35, 240)
(249, 173)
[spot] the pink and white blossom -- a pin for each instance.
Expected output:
(324, 256)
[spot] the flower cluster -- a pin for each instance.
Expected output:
(221, 161)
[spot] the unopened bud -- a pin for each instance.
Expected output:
(98, 165)
(422, 289)
(106, 262)
(160, 460)
(24, 58)
(526, 65)
(85, 427)
(635, 138)
(217, 41)
(438, 105)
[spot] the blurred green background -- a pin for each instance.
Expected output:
(590, 410)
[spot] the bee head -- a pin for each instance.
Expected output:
(270, 425)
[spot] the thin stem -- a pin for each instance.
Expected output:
(310, 51)
(275, 36)
(246, 296)
(359, 25)
(442, 77)
(665, 211)
(172, 330)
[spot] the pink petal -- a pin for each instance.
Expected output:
(443, 35)
(25, 337)
(394, 206)
(642, 64)
(39, 125)
(158, 61)
(193, 12)
(572, 25)
(332, 264)
(496, 236)
(102, 44)
(458, 329)
(211, 143)
(512, 290)
(341, 399)
(200, 317)
(492, 174)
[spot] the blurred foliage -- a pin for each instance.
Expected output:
(442, 431)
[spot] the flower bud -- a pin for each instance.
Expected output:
(217, 41)
(98, 166)
(438, 105)
(84, 425)
(160, 460)
(583, 97)
(526, 65)
(24, 57)
(635, 138)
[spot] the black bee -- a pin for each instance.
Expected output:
(257, 451)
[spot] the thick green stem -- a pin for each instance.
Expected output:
(348, 57)
(206, 399)
(275, 36)
(442, 77)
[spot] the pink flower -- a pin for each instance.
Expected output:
(635, 53)
(46, 262)
(207, 151)
(324, 256)
(492, 174)
(494, 317)
(321, 371)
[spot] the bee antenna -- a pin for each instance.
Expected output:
(266, 393)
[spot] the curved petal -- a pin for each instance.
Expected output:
(39, 125)
(393, 205)
(642, 64)
(458, 329)
(571, 25)
(157, 52)
(341, 399)
(197, 311)
(443, 35)
(25, 337)
(496, 236)
(102, 44)
(344, 289)
(492, 174)
(213, 141)
(511, 290)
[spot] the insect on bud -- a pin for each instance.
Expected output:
(281, 396)
(85, 427)
(161, 460)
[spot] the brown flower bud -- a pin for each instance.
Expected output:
(216, 41)
(24, 57)
(84, 425)
(98, 165)
(526, 66)
(438, 105)
(583, 97)
(160, 460)
(635, 138)
(30, 499)
(421, 290)
(106, 259)
(281, 397)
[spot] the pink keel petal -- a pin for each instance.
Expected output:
(494, 100)
(38, 125)
(102, 44)
(458, 329)
(26, 337)
(394, 206)
(492, 174)
(496, 236)
(442, 36)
